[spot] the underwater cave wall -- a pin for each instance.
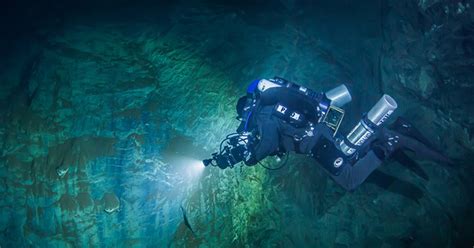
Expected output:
(428, 57)
(106, 106)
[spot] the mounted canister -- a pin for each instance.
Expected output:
(336, 97)
(368, 124)
(339, 96)
(330, 104)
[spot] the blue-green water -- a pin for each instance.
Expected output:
(106, 108)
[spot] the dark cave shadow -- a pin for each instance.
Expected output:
(395, 185)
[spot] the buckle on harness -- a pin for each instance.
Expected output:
(292, 117)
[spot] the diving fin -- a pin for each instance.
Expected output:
(412, 139)
(403, 126)
(403, 159)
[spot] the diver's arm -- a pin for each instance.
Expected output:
(268, 141)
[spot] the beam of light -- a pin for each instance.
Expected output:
(189, 169)
(193, 168)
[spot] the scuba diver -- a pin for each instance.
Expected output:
(278, 116)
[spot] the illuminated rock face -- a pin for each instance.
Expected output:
(104, 115)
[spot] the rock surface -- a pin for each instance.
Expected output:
(104, 110)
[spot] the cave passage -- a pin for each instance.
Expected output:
(108, 107)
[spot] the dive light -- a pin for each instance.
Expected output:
(368, 124)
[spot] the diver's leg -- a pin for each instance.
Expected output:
(352, 176)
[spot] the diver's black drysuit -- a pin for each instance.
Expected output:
(277, 136)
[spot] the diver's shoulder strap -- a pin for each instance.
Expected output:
(291, 116)
(249, 110)
(291, 95)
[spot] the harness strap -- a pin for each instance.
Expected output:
(294, 118)
(349, 144)
(369, 123)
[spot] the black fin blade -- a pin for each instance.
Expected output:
(403, 159)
